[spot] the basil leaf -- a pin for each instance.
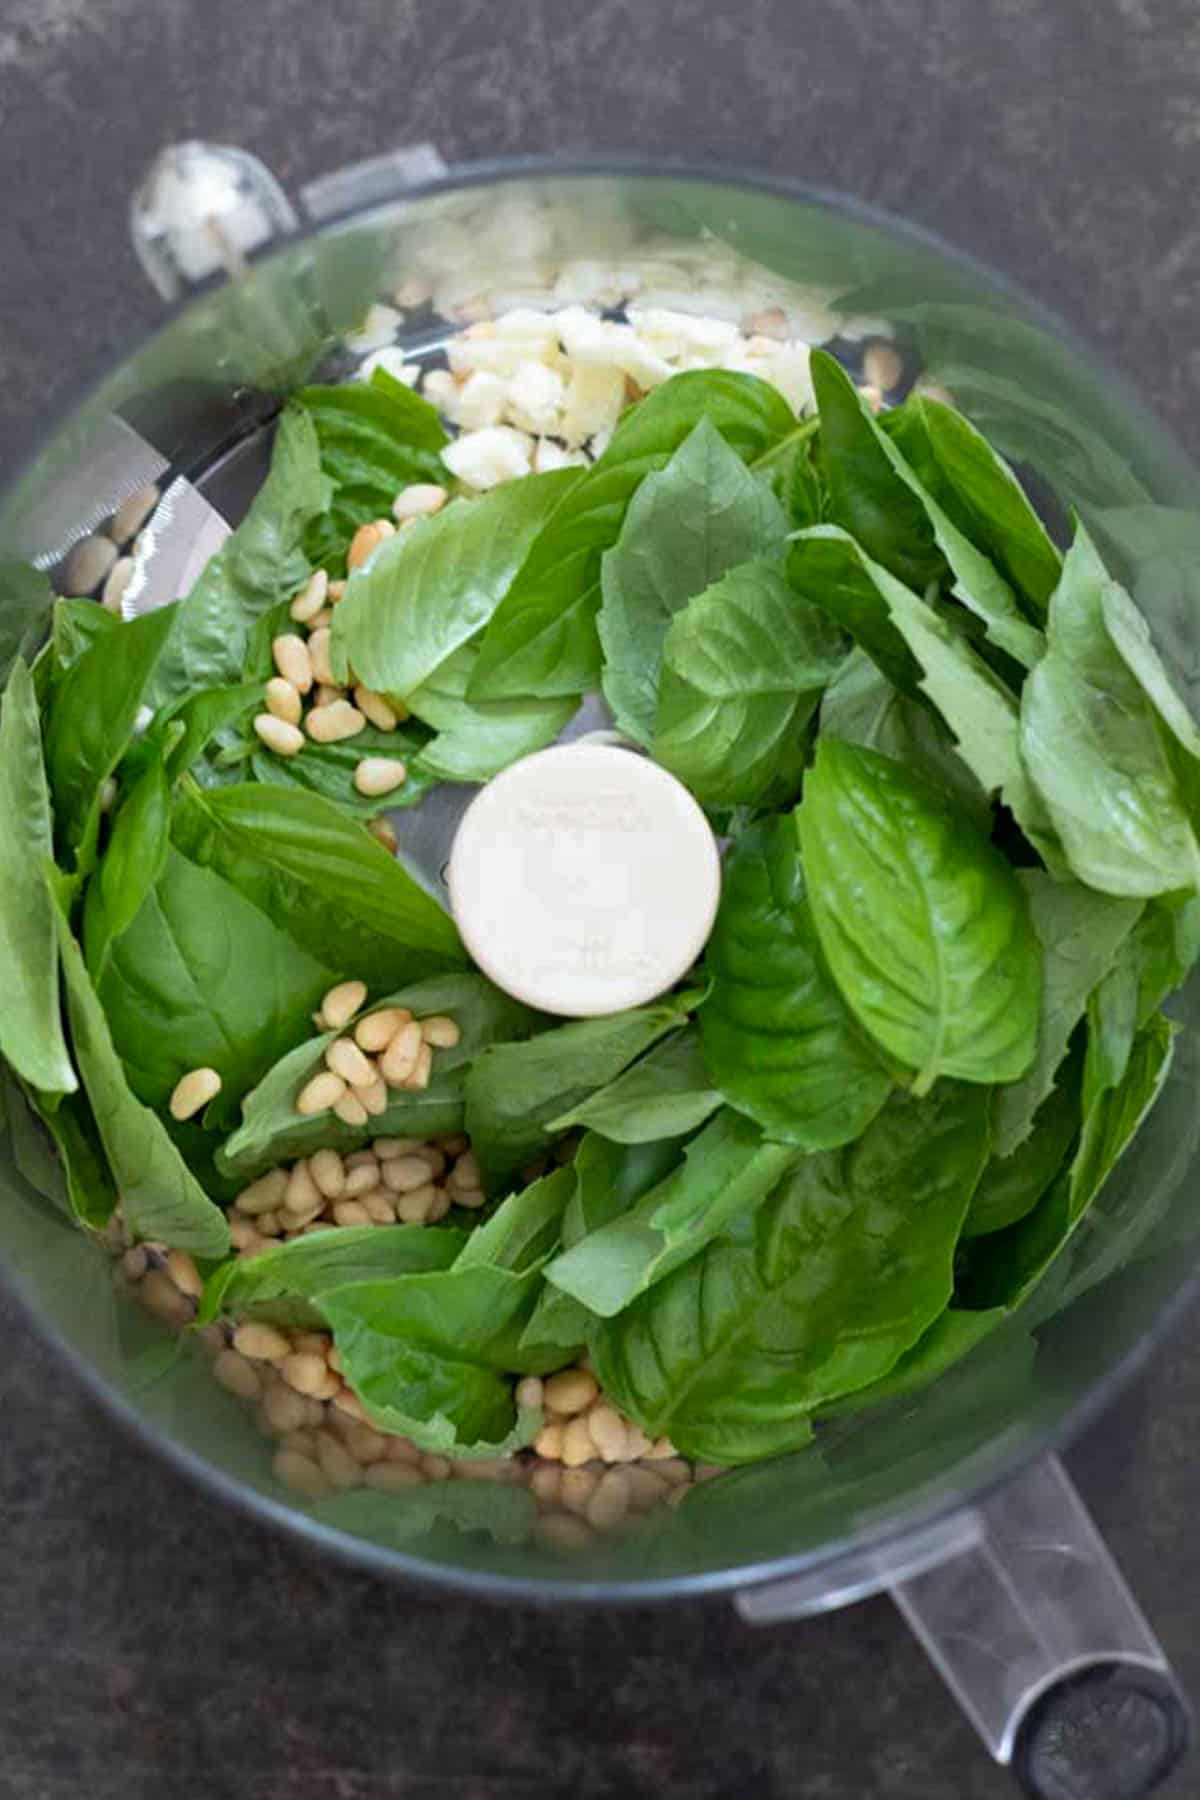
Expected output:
(1014, 1181)
(375, 438)
(91, 722)
(524, 1229)
(75, 625)
(281, 1282)
(922, 922)
(978, 490)
(202, 979)
(272, 1131)
(789, 472)
(57, 1149)
(861, 706)
(1081, 933)
(686, 527)
(160, 1199)
(1004, 1268)
(779, 1040)
(1152, 962)
(200, 719)
(320, 877)
(26, 598)
(743, 668)
(815, 1294)
(542, 640)
(430, 589)
(328, 770)
(1094, 741)
(667, 1094)
(514, 1090)
(727, 1171)
(948, 1340)
(425, 1355)
(260, 566)
(31, 1035)
(917, 650)
(477, 738)
(866, 495)
(133, 861)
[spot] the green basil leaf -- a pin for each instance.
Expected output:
(815, 1294)
(477, 738)
(272, 1131)
(202, 979)
(866, 495)
(667, 1094)
(514, 1090)
(432, 588)
(1081, 934)
(686, 527)
(791, 475)
(57, 1149)
(948, 1340)
(1152, 962)
(922, 922)
(160, 1199)
(1014, 1182)
(75, 626)
(861, 706)
(426, 1355)
(1094, 741)
(743, 668)
(26, 598)
(205, 716)
(133, 861)
(320, 877)
(524, 1229)
(280, 1283)
(978, 490)
(779, 1040)
(92, 720)
(375, 438)
(328, 770)
(542, 640)
(727, 1171)
(31, 1035)
(259, 567)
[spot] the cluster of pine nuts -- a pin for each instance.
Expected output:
(104, 560)
(388, 1049)
(305, 677)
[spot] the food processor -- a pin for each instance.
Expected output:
(951, 1499)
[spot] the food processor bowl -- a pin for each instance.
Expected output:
(951, 1498)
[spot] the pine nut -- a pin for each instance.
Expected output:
(89, 562)
(416, 1206)
(333, 1357)
(321, 621)
(328, 1171)
(529, 1391)
(660, 1449)
(487, 1468)
(384, 833)
(341, 1003)
(610, 1502)
(185, 1274)
(193, 1091)
(132, 514)
(376, 1031)
(388, 1148)
(349, 1403)
(337, 591)
(260, 1342)
(433, 1159)
(117, 580)
(375, 708)
(570, 1391)
(337, 1464)
(608, 1433)
(301, 1192)
(643, 1486)
(283, 701)
(237, 1375)
(159, 1295)
(437, 1468)
(277, 734)
(400, 1058)
(291, 658)
(367, 540)
(441, 1032)
(361, 1159)
(242, 1234)
(577, 1487)
(319, 643)
(379, 775)
(882, 366)
(674, 1470)
(578, 1447)
(466, 1170)
(351, 1212)
(469, 1199)
(375, 1097)
(422, 1069)
(345, 1058)
(324, 694)
(135, 1262)
(380, 1206)
(300, 1474)
(545, 1482)
(303, 1443)
(404, 1174)
(639, 1443)
(559, 1531)
(307, 1372)
(360, 1180)
(311, 597)
(440, 1206)
(319, 1094)
(392, 1478)
(284, 1407)
(403, 1450)
(263, 1195)
(334, 723)
(366, 1445)
(549, 1443)
(419, 498)
(350, 1109)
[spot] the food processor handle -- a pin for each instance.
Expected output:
(1020, 1606)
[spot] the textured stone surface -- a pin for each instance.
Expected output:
(156, 1644)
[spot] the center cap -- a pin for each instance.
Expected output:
(584, 879)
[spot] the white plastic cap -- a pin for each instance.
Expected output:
(584, 879)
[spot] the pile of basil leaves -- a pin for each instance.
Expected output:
(960, 797)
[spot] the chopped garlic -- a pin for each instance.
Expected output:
(481, 400)
(592, 403)
(535, 397)
(483, 459)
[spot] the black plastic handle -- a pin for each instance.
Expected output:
(1112, 1731)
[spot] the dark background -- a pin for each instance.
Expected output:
(152, 1644)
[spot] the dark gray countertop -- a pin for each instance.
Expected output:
(154, 1644)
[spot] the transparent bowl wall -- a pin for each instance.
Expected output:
(213, 377)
